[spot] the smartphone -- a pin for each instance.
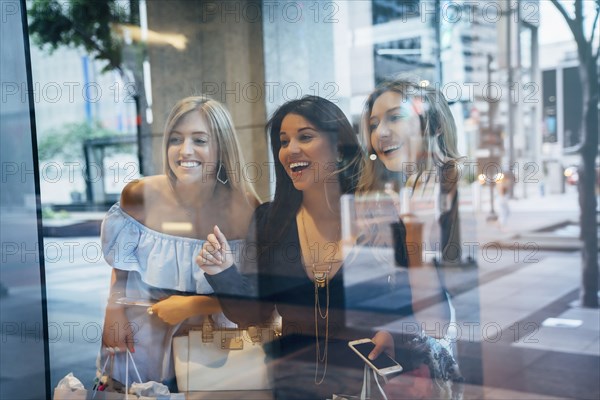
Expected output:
(383, 364)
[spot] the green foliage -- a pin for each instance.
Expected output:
(49, 213)
(469, 175)
(81, 23)
(67, 142)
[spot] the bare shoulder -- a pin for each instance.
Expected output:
(252, 200)
(139, 194)
(132, 198)
(244, 202)
(236, 217)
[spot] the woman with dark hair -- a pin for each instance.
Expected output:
(294, 262)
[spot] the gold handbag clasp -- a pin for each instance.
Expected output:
(207, 330)
(255, 334)
(232, 340)
(229, 339)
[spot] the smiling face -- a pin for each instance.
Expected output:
(192, 149)
(395, 131)
(306, 154)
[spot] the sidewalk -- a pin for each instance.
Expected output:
(512, 295)
(538, 278)
(74, 224)
(529, 215)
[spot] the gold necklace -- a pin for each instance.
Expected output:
(321, 279)
(318, 313)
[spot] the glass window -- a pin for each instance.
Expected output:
(158, 120)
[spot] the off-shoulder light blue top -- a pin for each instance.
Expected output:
(161, 260)
(159, 265)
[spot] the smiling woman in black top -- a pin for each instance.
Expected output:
(294, 256)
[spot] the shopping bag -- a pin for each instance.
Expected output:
(83, 394)
(68, 394)
(133, 391)
(212, 359)
(70, 388)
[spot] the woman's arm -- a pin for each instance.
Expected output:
(176, 309)
(242, 303)
(238, 293)
(118, 331)
(237, 288)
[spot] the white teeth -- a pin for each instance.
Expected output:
(391, 148)
(298, 164)
(189, 164)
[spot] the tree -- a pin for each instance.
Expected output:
(67, 141)
(97, 26)
(588, 147)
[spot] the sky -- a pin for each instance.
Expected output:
(553, 27)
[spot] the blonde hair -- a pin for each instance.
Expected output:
(222, 128)
(438, 131)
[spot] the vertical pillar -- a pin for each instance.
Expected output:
(24, 365)
(222, 56)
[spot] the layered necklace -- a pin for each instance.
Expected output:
(321, 280)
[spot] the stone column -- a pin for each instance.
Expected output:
(223, 57)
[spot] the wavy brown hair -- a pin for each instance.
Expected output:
(438, 132)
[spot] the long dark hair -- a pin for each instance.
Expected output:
(329, 120)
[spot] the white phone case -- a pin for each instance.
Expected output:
(383, 371)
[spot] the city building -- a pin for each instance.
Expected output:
(513, 99)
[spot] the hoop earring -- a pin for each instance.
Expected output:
(219, 178)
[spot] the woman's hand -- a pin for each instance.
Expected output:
(215, 255)
(176, 309)
(415, 384)
(173, 309)
(384, 342)
(118, 332)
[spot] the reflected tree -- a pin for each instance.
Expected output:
(588, 145)
(105, 29)
(67, 140)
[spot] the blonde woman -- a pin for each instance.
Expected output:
(151, 237)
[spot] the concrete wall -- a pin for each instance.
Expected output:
(253, 56)
(223, 58)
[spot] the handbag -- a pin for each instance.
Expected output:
(80, 393)
(222, 359)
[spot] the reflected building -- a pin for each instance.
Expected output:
(70, 89)
(255, 55)
(561, 104)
